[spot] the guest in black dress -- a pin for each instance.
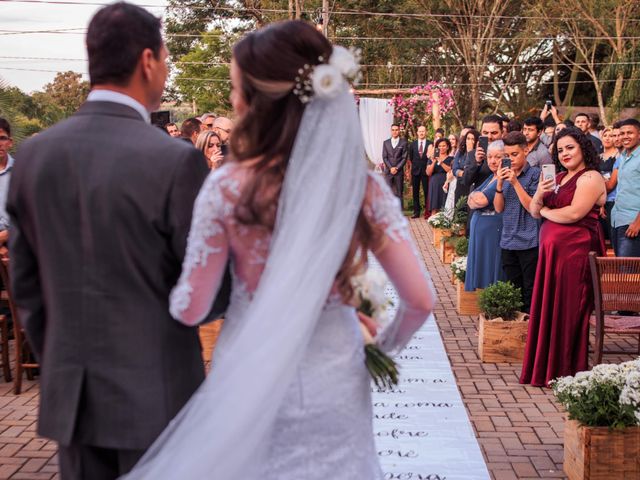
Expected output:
(437, 170)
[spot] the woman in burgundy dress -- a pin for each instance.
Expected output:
(558, 338)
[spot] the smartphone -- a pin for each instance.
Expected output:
(224, 149)
(506, 162)
(483, 142)
(549, 172)
(548, 103)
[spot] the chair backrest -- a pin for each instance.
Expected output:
(616, 283)
(4, 274)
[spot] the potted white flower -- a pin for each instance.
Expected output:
(602, 431)
(503, 328)
(466, 302)
(440, 226)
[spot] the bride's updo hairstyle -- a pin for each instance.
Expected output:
(269, 61)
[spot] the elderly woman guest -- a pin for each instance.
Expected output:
(437, 169)
(208, 142)
(558, 338)
(484, 263)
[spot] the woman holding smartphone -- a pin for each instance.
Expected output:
(437, 169)
(569, 204)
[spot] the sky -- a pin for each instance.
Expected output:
(26, 16)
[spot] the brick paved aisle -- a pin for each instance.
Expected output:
(519, 428)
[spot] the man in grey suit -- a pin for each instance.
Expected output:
(394, 156)
(101, 207)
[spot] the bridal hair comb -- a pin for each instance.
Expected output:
(327, 79)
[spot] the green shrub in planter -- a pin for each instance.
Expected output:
(460, 212)
(461, 247)
(502, 299)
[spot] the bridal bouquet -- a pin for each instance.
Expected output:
(370, 299)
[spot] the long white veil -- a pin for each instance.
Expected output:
(223, 430)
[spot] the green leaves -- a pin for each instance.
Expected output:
(381, 367)
(501, 299)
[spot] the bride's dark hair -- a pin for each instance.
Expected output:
(269, 60)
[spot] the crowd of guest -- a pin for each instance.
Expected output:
(542, 194)
(208, 133)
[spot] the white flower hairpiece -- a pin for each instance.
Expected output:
(326, 80)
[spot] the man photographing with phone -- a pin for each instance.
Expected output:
(537, 153)
(476, 169)
(517, 183)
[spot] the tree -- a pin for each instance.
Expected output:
(68, 91)
(203, 73)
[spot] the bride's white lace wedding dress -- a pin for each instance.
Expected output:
(323, 427)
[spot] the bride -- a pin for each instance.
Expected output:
(296, 213)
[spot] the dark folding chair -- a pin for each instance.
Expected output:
(24, 357)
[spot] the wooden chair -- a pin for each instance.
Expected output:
(616, 286)
(4, 338)
(22, 351)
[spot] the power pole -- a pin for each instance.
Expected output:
(325, 17)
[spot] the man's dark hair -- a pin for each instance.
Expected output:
(535, 122)
(581, 114)
(512, 139)
(469, 127)
(594, 118)
(395, 125)
(628, 121)
(549, 122)
(116, 37)
(439, 130)
(569, 123)
(616, 124)
(190, 126)
(493, 119)
(170, 124)
(514, 126)
(4, 125)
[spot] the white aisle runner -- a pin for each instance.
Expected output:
(422, 429)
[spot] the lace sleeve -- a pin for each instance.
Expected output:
(402, 263)
(207, 251)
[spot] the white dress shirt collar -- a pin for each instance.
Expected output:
(395, 141)
(9, 165)
(122, 99)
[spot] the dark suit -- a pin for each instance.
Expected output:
(101, 206)
(419, 173)
(395, 157)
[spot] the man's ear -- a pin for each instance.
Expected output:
(146, 63)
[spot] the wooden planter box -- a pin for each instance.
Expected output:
(439, 234)
(600, 453)
(447, 251)
(466, 302)
(502, 341)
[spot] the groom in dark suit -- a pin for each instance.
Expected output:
(101, 207)
(394, 156)
(418, 159)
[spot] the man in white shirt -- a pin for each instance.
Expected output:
(6, 164)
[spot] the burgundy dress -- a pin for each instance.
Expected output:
(558, 338)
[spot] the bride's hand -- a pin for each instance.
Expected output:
(368, 323)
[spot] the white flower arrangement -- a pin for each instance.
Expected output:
(371, 300)
(459, 268)
(439, 220)
(327, 80)
(606, 396)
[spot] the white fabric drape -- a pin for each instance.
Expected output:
(376, 117)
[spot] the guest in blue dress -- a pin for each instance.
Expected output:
(484, 261)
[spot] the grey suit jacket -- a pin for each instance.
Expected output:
(394, 157)
(101, 206)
